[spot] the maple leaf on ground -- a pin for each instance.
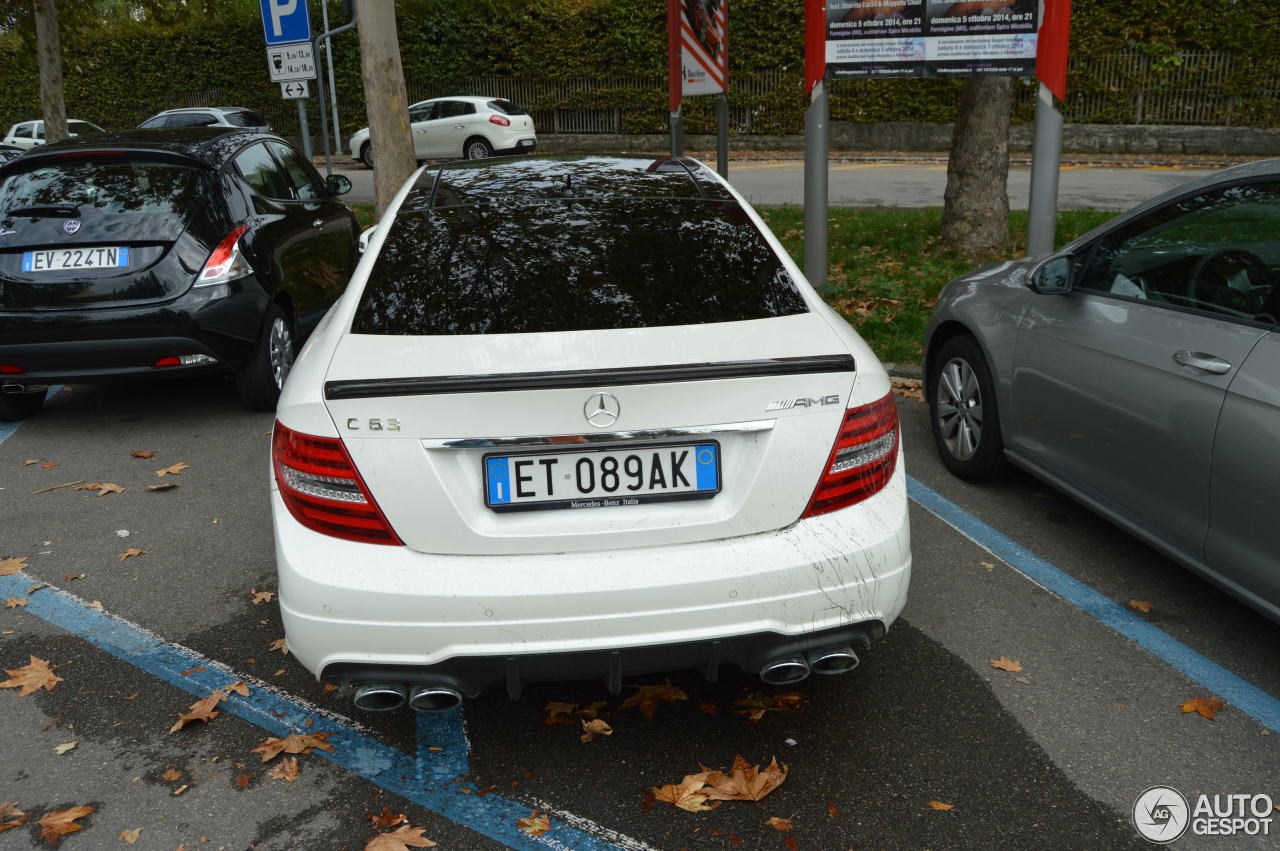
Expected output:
(294, 743)
(31, 677)
(142, 453)
(1004, 663)
(262, 596)
(11, 816)
(162, 487)
(103, 488)
(387, 818)
(204, 709)
(595, 727)
(689, 794)
(1141, 605)
(1203, 706)
(59, 823)
(286, 770)
(14, 602)
(10, 566)
(134, 551)
(280, 644)
(912, 388)
(534, 824)
(779, 823)
(745, 782)
(938, 805)
(130, 836)
(399, 840)
(173, 469)
(647, 698)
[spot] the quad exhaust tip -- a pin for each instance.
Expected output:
(380, 697)
(434, 698)
(833, 660)
(785, 670)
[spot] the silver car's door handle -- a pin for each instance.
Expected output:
(1200, 360)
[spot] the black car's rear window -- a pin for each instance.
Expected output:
(572, 265)
(109, 185)
(246, 118)
(506, 107)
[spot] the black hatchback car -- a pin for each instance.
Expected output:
(164, 253)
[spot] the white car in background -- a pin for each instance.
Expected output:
(600, 429)
(28, 134)
(460, 128)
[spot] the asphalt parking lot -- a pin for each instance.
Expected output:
(925, 745)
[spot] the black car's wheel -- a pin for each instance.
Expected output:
(260, 382)
(366, 155)
(477, 149)
(962, 407)
(19, 406)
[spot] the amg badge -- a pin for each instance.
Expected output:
(803, 402)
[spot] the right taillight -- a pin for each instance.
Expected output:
(500, 120)
(322, 489)
(863, 459)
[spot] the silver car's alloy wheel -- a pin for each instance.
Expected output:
(959, 409)
(281, 349)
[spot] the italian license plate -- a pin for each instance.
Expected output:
(115, 257)
(602, 478)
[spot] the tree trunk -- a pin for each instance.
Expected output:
(975, 213)
(387, 102)
(49, 58)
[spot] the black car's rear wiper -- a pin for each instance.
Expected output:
(49, 211)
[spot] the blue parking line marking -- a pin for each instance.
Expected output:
(354, 751)
(1240, 693)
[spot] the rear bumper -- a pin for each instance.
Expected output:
(355, 611)
(520, 146)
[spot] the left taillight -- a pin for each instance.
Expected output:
(863, 458)
(225, 263)
(323, 490)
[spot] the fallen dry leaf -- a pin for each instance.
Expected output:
(164, 486)
(647, 698)
(10, 566)
(59, 823)
(1141, 605)
(403, 838)
(1004, 663)
(11, 816)
(534, 824)
(779, 823)
(173, 469)
(14, 602)
(32, 677)
(243, 781)
(189, 671)
(133, 696)
(134, 551)
(938, 805)
(281, 645)
(287, 769)
(1204, 706)
(387, 818)
(709, 708)
(34, 588)
(103, 488)
(595, 727)
(96, 604)
(689, 794)
(261, 596)
(130, 836)
(758, 703)
(171, 775)
(833, 810)
(30, 461)
(48, 465)
(294, 743)
(745, 782)
(911, 388)
(72, 577)
(204, 708)
(61, 749)
(559, 713)
(142, 453)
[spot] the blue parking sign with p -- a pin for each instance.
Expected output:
(285, 21)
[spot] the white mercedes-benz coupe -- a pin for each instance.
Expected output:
(575, 418)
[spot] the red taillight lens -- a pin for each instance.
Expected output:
(500, 120)
(323, 490)
(9, 369)
(225, 262)
(863, 459)
(172, 360)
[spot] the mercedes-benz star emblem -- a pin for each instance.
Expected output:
(71, 226)
(602, 409)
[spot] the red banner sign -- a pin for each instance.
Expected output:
(697, 48)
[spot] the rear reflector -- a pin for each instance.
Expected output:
(862, 460)
(9, 369)
(185, 360)
(500, 120)
(322, 489)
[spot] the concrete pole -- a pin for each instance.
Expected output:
(815, 187)
(722, 135)
(386, 101)
(49, 59)
(1046, 160)
(677, 133)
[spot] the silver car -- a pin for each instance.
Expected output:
(1138, 370)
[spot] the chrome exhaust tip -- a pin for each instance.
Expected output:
(434, 698)
(380, 697)
(785, 670)
(833, 660)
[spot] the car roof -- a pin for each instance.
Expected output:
(204, 109)
(468, 98)
(567, 177)
(211, 146)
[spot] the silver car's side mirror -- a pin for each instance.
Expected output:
(1052, 277)
(365, 236)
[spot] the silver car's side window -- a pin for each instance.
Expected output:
(1217, 252)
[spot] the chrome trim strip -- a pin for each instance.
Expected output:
(570, 440)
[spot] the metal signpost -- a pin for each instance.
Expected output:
(286, 26)
(698, 64)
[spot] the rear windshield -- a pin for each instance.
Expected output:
(506, 107)
(133, 186)
(246, 118)
(572, 266)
